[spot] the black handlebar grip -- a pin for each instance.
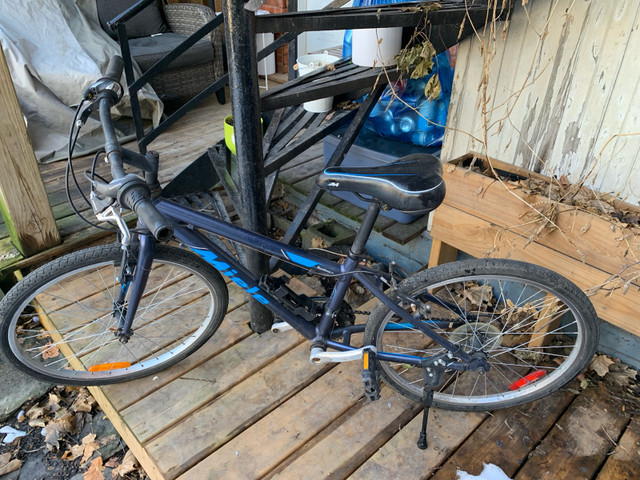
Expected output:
(137, 198)
(154, 221)
(114, 69)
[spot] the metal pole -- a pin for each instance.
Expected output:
(243, 83)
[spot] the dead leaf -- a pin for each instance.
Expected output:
(621, 374)
(113, 462)
(7, 465)
(479, 294)
(317, 242)
(95, 470)
(450, 168)
(53, 430)
(600, 364)
(74, 452)
(83, 403)
(90, 445)
(50, 350)
(128, 465)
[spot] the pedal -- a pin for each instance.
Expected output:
(280, 327)
(319, 356)
(370, 377)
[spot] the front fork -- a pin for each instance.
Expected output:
(134, 285)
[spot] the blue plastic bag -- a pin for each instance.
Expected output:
(413, 118)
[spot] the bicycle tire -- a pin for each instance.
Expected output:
(58, 323)
(536, 329)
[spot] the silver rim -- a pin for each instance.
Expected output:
(67, 325)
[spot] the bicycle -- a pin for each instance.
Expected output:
(478, 334)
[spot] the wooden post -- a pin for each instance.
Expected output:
(441, 253)
(23, 199)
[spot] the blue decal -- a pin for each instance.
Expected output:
(305, 262)
(223, 267)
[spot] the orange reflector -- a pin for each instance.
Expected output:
(365, 360)
(532, 377)
(103, 367)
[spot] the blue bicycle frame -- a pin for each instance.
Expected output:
(186, 225)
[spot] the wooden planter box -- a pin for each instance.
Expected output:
(485, 217)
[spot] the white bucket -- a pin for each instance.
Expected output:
(308, 64)
(376, 47)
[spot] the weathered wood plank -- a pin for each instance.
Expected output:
(23, 199)
(506, 437)
(400, 457)
(234, 329)
(214, 425)
(580, 441)
(275, 437)
(548, 108)
(581, 235)
(353, 438)
(624, 461)
(206, 382)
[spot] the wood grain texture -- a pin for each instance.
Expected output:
(558, 95)
(23, 200)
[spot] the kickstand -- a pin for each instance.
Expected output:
(432, 378)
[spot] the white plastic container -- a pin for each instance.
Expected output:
(376, 47)
(308, 64)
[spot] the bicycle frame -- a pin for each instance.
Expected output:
(187, 221)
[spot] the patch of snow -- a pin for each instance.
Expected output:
(489, 472)
(12, 434)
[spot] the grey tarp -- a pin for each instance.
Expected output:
(54, 49)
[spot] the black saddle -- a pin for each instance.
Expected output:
(412, 184)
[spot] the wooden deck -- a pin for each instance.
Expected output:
(248, 406)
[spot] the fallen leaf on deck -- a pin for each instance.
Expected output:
(95, 470)
(50, 351)
(90, 445)
(600, 364)
(7, 465)
(621, 374)
(128, 465)
(74, 452)
(83, 403)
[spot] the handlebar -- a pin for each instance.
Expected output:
(131, 191)
(114, 69)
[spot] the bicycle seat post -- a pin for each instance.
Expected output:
(365, 230)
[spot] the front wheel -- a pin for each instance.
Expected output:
(60, 323)
(536, 330)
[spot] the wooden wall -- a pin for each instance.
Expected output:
(561, 94)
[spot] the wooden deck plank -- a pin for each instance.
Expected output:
(352, 439)
(506, 438)
(401, 458)
(275, 437)
(206, 382)
(580, 441)
(624, 462)
(237, 410)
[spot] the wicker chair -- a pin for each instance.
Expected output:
(151, 38)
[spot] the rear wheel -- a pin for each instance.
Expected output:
(59, 324)
(536, 329)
